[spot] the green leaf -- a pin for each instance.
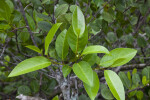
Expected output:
(25, 90)
(106, 92)
(146, 72)
(92, 90)
(134, 71)
(61, 45)
(147, 30)
(144, 80)
(115, 84)
(65, 19)
(107, 17)
(95, 49)
(10, 4)
(50, 36)
(34, 48)
(5, 11)
(133, 20)
(31, 22)
(83, 97)
(7, 58)
(84, 72)
(61, 9)
(118, 57)
(90, 58)
(76, 43)
(136, 79)
(141, 42)
(129, 76)
(111, 37)
(44, 25)
(125, 80)
(66, 70)
(30, 65)
(139, 95)
(56, 98)
(78, 22)
(35, 86)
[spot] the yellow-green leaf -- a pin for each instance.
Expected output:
(115, 84)
(30, 65)
(50, 36)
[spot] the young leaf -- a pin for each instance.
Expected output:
(61, 45)
(34, 48)
(115, 84)
(50, 36)
(76, 43)
(84, 72)
(118, 57)
(30, 65)
(66, 70)
(62, 9)
(146, 72)
(78, 22)
(56, 98)
(139, 95)
(92, 90)
(95, 49)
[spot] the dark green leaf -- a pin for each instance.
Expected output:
(76, 43)
(61, 9)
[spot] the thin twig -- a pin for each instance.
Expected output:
(26, 21)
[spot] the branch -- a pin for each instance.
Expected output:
(26, 21)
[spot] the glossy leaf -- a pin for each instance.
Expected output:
(66, 70)
(95, 49)
(61, 9)
(115, 84)
(50, 36)
(118, 57)
(84, 72)
(30, 65)
(34, 48)
(78, 22)
(76, 43)
(92, 90)
(61, 45)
